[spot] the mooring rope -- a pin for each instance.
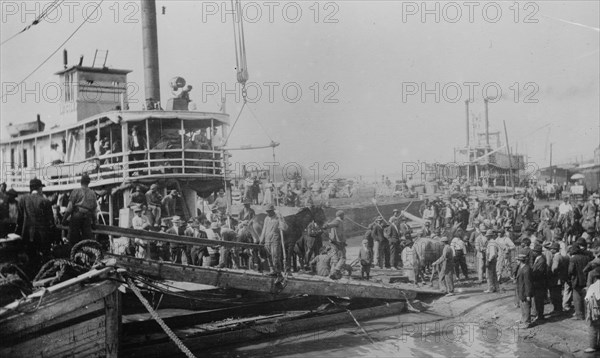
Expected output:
(355, 320)
(159, 320)
(355, 223)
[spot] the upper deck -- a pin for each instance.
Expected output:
(118, 146)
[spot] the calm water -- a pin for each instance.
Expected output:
(392, 338)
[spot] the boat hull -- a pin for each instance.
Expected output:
(77, 322)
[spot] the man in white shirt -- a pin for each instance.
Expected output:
(505, 250)
(140, 222)
(217, 140)
(460, 261)
(492, 259)
(564, 209)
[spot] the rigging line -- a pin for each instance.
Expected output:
(234, 123)
(259, 123)
(235, 37)
(242, 37)
(55, 4)
(58, 48)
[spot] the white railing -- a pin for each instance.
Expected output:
(121, 166)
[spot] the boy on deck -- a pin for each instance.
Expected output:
(366, 259)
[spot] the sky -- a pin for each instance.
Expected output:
(366, 85)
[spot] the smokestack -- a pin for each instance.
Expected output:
(81, 60)
(39, 123)
(150, 45)
(487, 124)
(65, 58)
(467, 108)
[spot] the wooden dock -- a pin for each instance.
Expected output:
(254, 281)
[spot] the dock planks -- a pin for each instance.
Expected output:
(254, 281)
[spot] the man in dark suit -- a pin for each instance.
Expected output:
(539, 273)
(35, 222)
(524, 289)
(579, 259)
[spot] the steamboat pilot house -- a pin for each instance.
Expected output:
(119, 148)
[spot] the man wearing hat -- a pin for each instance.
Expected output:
(221, 202)
(459, 250)
(506, 247)
(446, 268)
(215, 215)
(138, 198)
(337, 236)
(365, 258)
(428, 213)
(480, 250)
(140, 222)
(376, 231)
(169, 203)
(539, 273)
(392, 233)
(270, 237)
(558, 275)
(395, 216)
(154, 200)
(82, 211)
(491, 252)
(426, 230)
(247, 213)
(8, 212)
(34, 222)
(577, 263)
(179, 252)
(524, 289)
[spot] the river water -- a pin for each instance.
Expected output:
(391, 337)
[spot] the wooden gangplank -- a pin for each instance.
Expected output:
(176, 239)
(255, 281)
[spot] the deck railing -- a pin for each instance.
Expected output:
(122, 166)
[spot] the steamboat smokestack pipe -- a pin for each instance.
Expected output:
(150, 46)
(39, 123)
(487, 124)
(467, 108)
(65, 58)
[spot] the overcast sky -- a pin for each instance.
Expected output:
(371, 61)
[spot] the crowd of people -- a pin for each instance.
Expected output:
(550, 252)
(296, 192)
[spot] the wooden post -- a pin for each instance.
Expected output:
(148, 143)
(125, 149)
(182, 147)
(112, 309)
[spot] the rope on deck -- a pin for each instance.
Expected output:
(159, 320)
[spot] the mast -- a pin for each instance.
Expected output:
(150, 46)
(512, 182)
(468, 144)
(487, 125)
